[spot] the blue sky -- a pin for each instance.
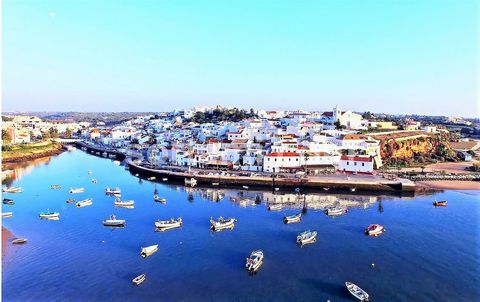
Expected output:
(411, 56)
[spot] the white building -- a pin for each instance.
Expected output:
(360, 164)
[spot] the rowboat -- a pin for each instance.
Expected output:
(49, 215)
(112, 191)
(139, 279)
(274, 207)
(159, 199)
(254, 261)
(76, 190)
(124, 203)
(374, 230)
(190, 182)
(84, 203)
(70, 200)
(356, 291)
(335, 211)
(222, 223)
(440, 203)
(164, 225)
(147, 251)
(8, 201)
(54, 187)
(292, 218)
(307, 237)
(12, 190)
(19, 240)
(113, 221)
(7, 214)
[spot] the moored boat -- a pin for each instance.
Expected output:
(335, 211)
(113, 191)
(113, 221)
(307, 237)
(7, 214)
(70, 200)
(19, 240)
(292, 218)
(159, 199)
(76, 190)
(254, 261)
(8, 201)
(222, 223)
(12, 190)
(375, 229)
(353, 189)
(116, 162)
(274, 207)
(139, 279)
(55, 187)
(94, 181)
(356, 291)
(440, 203)
(190, 182)
(326, 188)
(124, 203)
(152, 178)
(215, 184)
(49, 215)
(164, 179)
(149, 250)
(164, 225)
(245, 187)
(84, 203)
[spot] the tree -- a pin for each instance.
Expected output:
(6, 137)
(53, 132)
(68, 133)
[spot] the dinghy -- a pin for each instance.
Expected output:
(8, 201)
(356, 291)
(307, 237)
(76, 190)
(254, 261)
(335, 211)
(19, 240)
(440, 203)
(374, 230)
(222, 223)
(164, 225)
(159, 199)
(114, 222)
(139, 279)
(292, 218)
(149, 250)
(84, 203)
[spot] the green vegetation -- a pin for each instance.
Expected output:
(218, 115)
(11, 152)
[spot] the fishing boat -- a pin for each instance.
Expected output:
(84, 203)
(152, 178)
(76, 190)
(19, 240)
(7, 214)
(190, 182)
(49, 215)
(274, 207)
(374, 230)
(164, 225)
(307, 237)
(245, 187)
(440, 203)
(94, 181)
(12, 190)
(124, 203)
(8, 201)
(254, 261)
(159, 199)
(335, 211)
(113, 191)
(113, 221)
(55, 187)
(164, 179)
(356, 291)
(292, 218)
(139, 279)
(70, 200)
(222, 223)
(149, 250)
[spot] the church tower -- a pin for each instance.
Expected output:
(336, 113)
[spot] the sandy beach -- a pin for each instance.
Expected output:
(448, 185)
(6, 234)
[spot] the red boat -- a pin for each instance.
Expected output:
(375, 229)
(441, 203)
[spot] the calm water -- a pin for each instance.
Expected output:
(427, 253)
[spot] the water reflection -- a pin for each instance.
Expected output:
(12, 172)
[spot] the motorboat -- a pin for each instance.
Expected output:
(149, 250)
(84, 203)
(8, 201)
(19, 240)
(440, 203)
(139, 279)
(70, 200)
(113, 191)
(190, 182)
(7, 214)
(159, 199)
(55, 187)
(114, 222)
(356, 291)
(76, 190)
(12, 190)
(292, 218)
(254, 261)
(274, 207)
(124, 203)
(375, 229)
(222, 223)
(49, 215)
(164, 225)
(307, 237)
(335, 211)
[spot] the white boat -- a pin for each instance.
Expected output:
(116, 162)
(49, 215)
(307, 237)
(277, 189)
(222, 223)
(113, 191)
(274, 207)
(353, 189)
(7, 214)
(356, 291)
(164, 225)
(326, 189)
(190, 182)
(89, 171)
(113, 221)
(292, 218)
(12, 190)
(375, 229)
(164, 179)
(8, 201)
(254, 261)
(70, 200)
(147, 251)
(124, 203)
(19, 240)
(245, 187)
(335, 211)
(55, 187)
(94, 181)
(76, 190)
(215, 184)
(159, 199)
(139, 279)
(84, 203)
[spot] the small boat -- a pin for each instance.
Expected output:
(335, 211)
(159, 199)
(292, 218)
(116, 162)
(139, 279)
(164, 179)
(245, 187)
(55, 187)
(440, 203)
(277, 189)
(307, 237)
(19, 240)
(94, 181)
(326, 189)
(84, 203)
(222, 223)
(89, 171)
(254, 261)
(274, 207)
(152, 178)
(113, 191)
(353, 189)
(190, 182)
(124, 203)
(49, 215)
(70, 200)
(215, 184)
(164, 225)
(374, 230)
(147, 251)
(12, 190)
(356, 291)
(136, 174)
(76, 190)
(7, 214)
(8, 201)
(113, 221)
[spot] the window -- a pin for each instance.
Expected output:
(355, 164)
(363, 164)
(348, 163)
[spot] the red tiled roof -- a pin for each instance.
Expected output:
(356, 158)
(280, 154)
